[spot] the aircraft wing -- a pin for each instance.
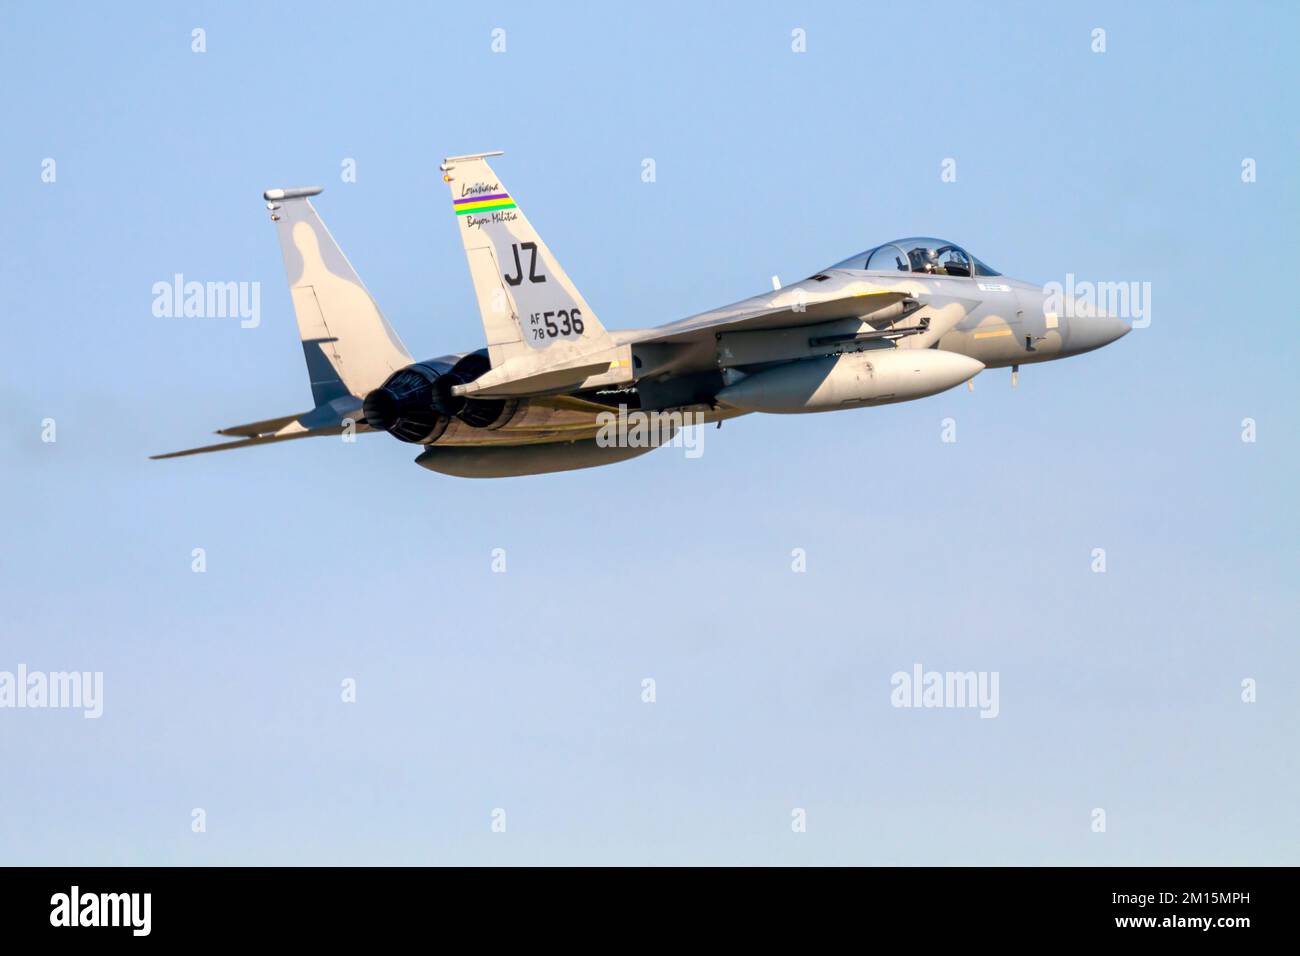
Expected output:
(786, 309)
(827, 310)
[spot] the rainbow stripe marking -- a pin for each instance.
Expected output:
(491, 203)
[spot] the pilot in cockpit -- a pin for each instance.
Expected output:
(924, 260)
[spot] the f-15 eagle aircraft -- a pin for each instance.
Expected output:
(903, 320)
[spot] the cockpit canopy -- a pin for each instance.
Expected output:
(921, 255)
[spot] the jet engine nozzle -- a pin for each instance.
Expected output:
(415, 404)
(406, 406)
(381, 409)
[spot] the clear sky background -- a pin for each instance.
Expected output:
(522, 691)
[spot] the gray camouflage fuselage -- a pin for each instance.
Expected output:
(900, 321)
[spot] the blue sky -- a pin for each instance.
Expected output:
(522, 691)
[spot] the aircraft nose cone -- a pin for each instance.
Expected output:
(1094, 331)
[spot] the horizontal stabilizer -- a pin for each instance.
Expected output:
(329, 419)
(252, 429)
(257, 440)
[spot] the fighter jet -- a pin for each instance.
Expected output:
(900, 321)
